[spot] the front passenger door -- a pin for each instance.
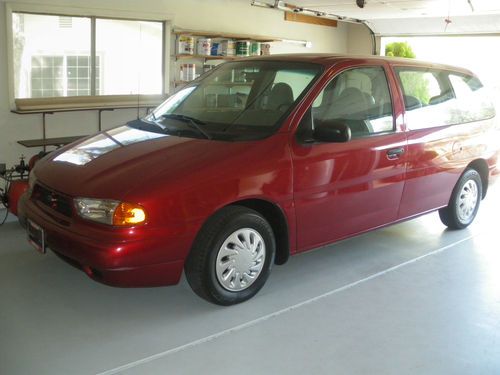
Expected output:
(341, 189)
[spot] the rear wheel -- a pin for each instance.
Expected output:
(232, 256)
(464, 201)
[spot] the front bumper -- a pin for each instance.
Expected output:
(133, 257)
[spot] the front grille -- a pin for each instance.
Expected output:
(53, 200)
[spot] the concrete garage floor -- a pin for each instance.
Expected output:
(411, 298)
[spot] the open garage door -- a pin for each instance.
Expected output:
(452, 25)
(414, 17)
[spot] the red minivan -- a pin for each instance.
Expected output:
(261, 159)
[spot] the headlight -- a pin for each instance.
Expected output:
(110, 212)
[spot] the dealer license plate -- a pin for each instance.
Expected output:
(36, 236)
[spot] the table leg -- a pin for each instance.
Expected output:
(44, 135)
(44, 128)
(100, 116)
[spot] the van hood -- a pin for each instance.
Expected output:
(112, 163)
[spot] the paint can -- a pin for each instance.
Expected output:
(185, 45)
(227, 47)
(242, 48)
(265, 49)
(188, 72)
(204, 46)
(214, 49)
(255, 49)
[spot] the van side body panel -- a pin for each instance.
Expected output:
(437, 158)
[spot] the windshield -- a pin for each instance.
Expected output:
(236, 101)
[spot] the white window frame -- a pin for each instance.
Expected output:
(100, 100)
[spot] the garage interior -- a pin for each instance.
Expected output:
(409, 298)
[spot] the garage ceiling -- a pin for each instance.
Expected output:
(416, 17)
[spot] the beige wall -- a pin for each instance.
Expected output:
(211, 15)
(359, 40)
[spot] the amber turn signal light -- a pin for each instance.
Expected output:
(129, 214)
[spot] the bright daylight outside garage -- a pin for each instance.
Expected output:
(258, 187)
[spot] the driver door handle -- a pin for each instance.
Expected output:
(395, 153)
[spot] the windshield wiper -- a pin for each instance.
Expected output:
(143, 124)
(191, 121)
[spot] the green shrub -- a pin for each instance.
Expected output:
(399, 49)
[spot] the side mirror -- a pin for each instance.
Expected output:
(332, 131)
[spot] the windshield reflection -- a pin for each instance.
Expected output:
(237, 100)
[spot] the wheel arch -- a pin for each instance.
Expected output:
(277, 219)
(481, 167)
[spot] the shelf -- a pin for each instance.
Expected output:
(207, 57)
(58, 142)
(211, 34)
(179, 83)
(232, 83)
(85, 103)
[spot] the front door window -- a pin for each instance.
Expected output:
(359, 98)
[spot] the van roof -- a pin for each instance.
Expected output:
(332, 59)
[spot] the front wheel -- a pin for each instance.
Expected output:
(464, 201)
(232, 256)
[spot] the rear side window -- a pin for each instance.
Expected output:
(422, 88)
(428, 97)
(436, 98)
(359, 98)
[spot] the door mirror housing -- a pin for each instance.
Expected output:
(332, 131)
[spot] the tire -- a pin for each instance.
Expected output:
(231, 257)
(464, 201)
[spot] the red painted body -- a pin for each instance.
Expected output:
(325, 192)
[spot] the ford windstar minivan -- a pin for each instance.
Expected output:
(261, 159)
